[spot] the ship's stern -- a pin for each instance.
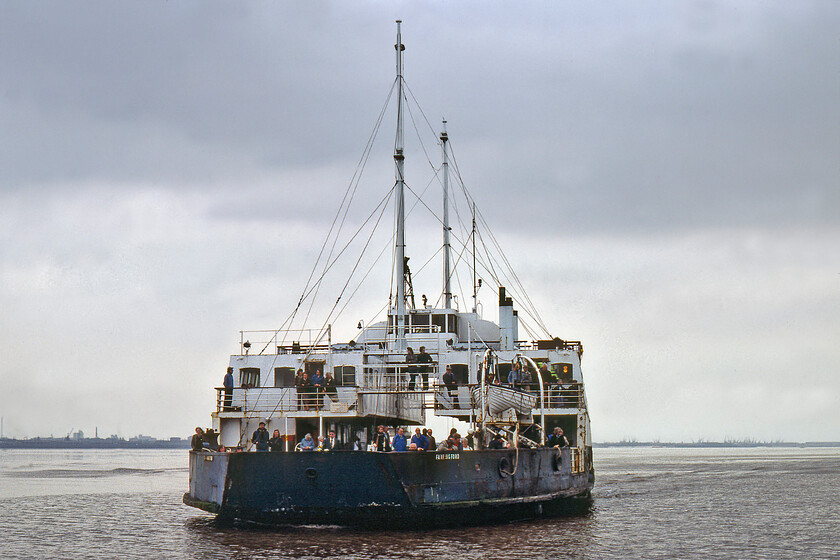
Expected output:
(208, 473)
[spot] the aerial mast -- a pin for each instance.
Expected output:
(447, 290)
(399, 160)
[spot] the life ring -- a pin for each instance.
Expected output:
(505, 467)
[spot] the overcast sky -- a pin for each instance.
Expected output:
(665, 177)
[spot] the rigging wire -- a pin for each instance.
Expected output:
(491, 266)
(526, 302)
(420, 108)
(350, 276)
(355, 178)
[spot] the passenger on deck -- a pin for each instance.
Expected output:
(557, 439)
(423, 358)
(547, 376)
(400, 441)
(197, 441)
(228, 384)
(276, 441)
(329, 387)
(451, 386)
(569, 390)
(514, 375)
(318, 389)
(525, 379)
(381, 441)
(432, 443)
(498, 442)
(299, 388)
(419, 439)
(260, 438)
(413, 447)
(331, 442)
(452, 443)
(304, 389)
(411, 367)
(470, 441)
(307, 443)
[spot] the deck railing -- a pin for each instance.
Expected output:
(285, 341)
(398, 376)
(345, 398)
(555, 396)
(286, 399)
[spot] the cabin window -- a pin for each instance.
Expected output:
(440, 322)
(420, 319)
(461, 373)
(249, 377)
(563, 372)
(345, 375)
(420, 323)
(284, 377)
(453, 324)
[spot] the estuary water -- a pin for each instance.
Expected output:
(734, 503)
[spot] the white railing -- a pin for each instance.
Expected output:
(556, 396)
(269, 400)
(285, 341)
(416, 335)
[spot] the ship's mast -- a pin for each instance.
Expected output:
(399, 160)
(447, 290)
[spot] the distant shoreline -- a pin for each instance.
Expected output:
(93, 443)
(717, 444)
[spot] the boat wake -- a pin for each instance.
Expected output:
(88, 473)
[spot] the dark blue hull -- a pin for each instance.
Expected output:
(387, 489)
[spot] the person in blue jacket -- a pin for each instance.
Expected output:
(400, 442)
(318, 388)
(228, 384)
(421, 440)
(307, 443)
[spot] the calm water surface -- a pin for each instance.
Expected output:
(648, 503)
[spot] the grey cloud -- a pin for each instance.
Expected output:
(169, 170)
(707, 116)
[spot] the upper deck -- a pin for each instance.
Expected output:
(371, 381)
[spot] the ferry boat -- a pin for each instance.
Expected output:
(509, 469)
